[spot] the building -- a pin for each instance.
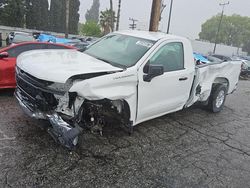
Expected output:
(207, 48)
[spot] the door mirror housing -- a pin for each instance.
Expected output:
(152, 71)
(4, 55)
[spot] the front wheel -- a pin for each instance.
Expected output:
(217, 98)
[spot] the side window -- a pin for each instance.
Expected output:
(16, 51)
(171, 56)
(52, 46)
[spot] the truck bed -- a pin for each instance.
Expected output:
(226, 72)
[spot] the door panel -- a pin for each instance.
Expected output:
(7, 72)
(164, 94)
(168, 92)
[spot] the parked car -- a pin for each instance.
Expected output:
(245, 67)
(213, 59)
(126, 77)
(53, 39)
(200, 59)
(91, 40)
(248, 67)
(80, 46)
(19, 37)
(222, 57)
(8, 57)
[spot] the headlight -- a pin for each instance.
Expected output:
(61, 87)
(17, 70)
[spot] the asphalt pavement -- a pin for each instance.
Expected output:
(190, 148)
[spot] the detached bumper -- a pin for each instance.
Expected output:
(60, 130)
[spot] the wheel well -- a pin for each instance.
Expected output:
(221, 80)
(107, 109)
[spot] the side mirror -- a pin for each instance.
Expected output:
(152, 71)
(4, 55)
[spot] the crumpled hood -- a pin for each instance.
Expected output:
(59, 65)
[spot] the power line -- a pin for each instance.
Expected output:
(163, 6)
(133, 25)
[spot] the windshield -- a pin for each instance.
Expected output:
(22, 38)
(248, 62)
(120, 50)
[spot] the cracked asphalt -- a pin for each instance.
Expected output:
(190, 148)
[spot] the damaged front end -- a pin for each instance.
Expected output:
(68, 113)
(38, 100)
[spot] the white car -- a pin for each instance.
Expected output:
(127, 77)
(19, 37)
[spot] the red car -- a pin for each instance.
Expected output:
(8, 57)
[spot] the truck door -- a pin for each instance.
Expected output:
(167, 92)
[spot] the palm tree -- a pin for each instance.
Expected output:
(118, 15)
(106, 18)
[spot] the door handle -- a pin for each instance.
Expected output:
(183, 78)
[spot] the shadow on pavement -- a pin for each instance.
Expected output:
(7, 92)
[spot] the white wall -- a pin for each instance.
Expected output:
(207, 47)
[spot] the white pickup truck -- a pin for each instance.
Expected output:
(126, 77)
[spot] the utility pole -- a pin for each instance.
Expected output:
(112, 15)
(67, 19)
(133, 25)
(118, 15)
(155, 15)
(217, 34)
(169, 17)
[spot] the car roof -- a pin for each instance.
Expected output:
(24, 43)
(154, 36)
(21, 33)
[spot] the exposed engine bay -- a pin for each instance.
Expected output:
(68, 113)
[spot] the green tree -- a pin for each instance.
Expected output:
(106, 22)
(74, 16)
(57, 16)
(12, 13)
(37, 14)
(234, 30)
(90, 28)
(93, 13)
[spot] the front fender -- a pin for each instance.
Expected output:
(120, 85)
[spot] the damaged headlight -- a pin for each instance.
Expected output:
(61, 87)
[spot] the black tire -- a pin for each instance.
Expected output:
(217, 98)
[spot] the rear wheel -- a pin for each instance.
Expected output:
(217, 98)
